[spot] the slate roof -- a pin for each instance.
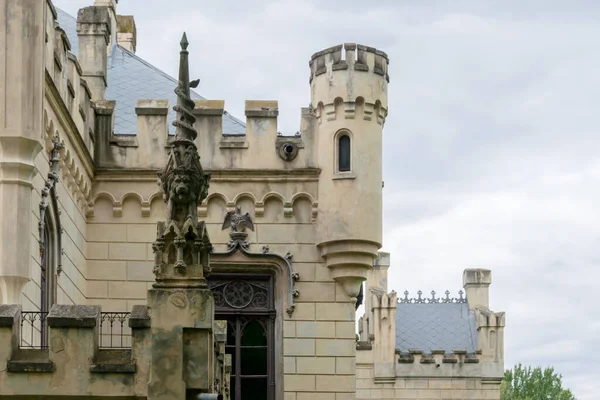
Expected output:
(435, 326)
(130, 78)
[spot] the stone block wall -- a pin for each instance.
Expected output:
(317, 341)
(423, 387)
(67, 116)
(71, 281)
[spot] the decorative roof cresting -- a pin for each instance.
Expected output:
(432, 300)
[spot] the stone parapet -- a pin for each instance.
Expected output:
(262, 147)
(357, 57)
(74, 364)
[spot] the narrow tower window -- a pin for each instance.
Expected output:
(344, 153)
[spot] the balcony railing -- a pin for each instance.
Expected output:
(114, 331)
(34, 331)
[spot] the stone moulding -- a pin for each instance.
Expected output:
(49, 191)
(76, 174)
(259, 204)
(352, 108)
(238, 243)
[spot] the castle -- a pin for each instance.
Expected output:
(262, 276)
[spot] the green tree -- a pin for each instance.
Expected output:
(525, 383)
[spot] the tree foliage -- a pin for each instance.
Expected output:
(526, 383)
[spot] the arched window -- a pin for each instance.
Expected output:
(50, 248)
(46, 266)
(344, 161)
(50, 253)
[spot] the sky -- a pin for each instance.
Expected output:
(491, 156)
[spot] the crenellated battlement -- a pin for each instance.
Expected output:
(261, 147)
(438, 363)
(354, 90)
(350, 56)
(440, 356)
(349, 82)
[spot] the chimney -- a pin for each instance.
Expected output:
(93, 32)
(477, 284)
(126, 32)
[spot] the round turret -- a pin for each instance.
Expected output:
(349, 96)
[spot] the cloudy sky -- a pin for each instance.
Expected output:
(491, 143)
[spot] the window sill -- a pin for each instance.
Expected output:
(344, 175)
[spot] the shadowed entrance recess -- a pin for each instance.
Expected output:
(246, 303)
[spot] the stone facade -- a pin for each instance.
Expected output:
(94, 251)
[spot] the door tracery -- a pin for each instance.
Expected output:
(246, 302)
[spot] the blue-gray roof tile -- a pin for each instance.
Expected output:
(130, 78)
(435, 326)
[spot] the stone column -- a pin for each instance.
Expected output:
(93, 33)
(384, 330)
(477, 287)
(377, 282)
(22, 66)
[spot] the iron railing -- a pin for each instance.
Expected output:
(433, 300)
(34, 331)
(115, 332)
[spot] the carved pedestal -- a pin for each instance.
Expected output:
(182, 342)
(182, 312)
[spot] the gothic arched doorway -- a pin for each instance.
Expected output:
(246, 302)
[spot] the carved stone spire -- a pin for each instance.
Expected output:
(182, 245)
(185, 119)
(183, 182)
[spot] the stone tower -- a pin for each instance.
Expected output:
(349, 94)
